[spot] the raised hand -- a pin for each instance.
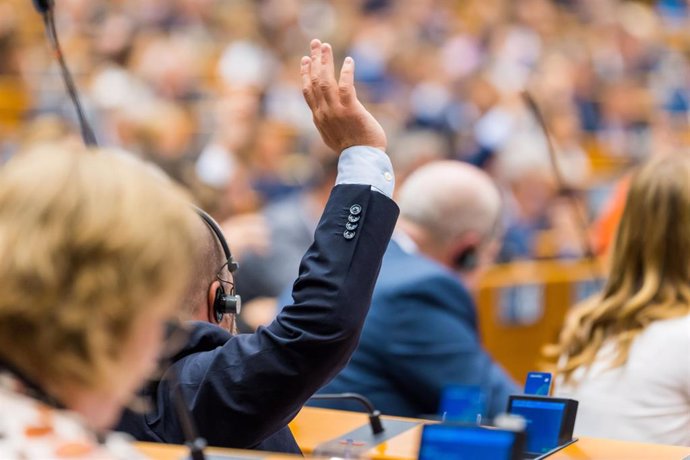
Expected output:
(339, 116)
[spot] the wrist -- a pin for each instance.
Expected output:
(362, 164)
(373, 145)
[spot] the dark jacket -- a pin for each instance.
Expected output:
(244, 389)
(421, 335)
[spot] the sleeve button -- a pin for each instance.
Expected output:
(355, 209)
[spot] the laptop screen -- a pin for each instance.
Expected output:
(462, 442)
(544, 420)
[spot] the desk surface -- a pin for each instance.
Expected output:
(313, 427)
(175, 452)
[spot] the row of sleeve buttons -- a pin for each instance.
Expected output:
(352, 221)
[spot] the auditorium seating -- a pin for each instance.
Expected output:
(521, 307)
(14, 102)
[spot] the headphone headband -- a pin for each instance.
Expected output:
(223, 302)
(218, 232)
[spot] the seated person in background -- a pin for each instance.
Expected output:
(624, 354)
(243, 390)
(421, 333)
(86, 239)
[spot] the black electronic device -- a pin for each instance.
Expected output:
(224, 303)
(447, 441)
(467, 260)
(550, 423)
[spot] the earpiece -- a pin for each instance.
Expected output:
(223, 303)
(226, 303)
(467, 260)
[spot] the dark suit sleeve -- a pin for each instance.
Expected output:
(255, 384)
(433, 342)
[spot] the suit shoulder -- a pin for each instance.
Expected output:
(400, 269)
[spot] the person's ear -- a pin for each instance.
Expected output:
(210, 301)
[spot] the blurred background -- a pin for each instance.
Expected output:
(209, 90)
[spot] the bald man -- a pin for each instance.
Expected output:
(421, 333)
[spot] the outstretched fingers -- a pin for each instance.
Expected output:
(307, 88)
(315, 71)
(346, 83)
(327, 83)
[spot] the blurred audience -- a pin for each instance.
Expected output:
(207, 89)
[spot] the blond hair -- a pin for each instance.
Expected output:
(87, 241)
(649, 278)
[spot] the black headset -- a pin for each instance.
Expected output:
(229, 303)
(467, 260)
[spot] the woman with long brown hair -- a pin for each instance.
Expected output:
(625, 354)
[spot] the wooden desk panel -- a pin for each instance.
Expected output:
(547, 289)
(174, 452)
(606, 449)
(314, 426)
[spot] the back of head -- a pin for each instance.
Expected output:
(652, 245)
(649, 278)
(448, 199)
(209, 263)
(87, 241)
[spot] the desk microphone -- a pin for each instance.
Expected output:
(45, 9)
(374, 415)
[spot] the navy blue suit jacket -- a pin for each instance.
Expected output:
(243, 390)
(421, 334)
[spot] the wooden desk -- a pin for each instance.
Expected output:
(314, 426)
(525, 303)
(174, 452)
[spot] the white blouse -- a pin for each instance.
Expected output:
(648, 398)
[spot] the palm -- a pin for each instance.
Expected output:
(339, 116)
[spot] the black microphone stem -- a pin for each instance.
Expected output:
(194, 442)
(86, 132)
(374, 415)
(563, 188)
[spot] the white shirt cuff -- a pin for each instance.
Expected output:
(361, 164)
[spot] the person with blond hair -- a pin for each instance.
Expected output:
(94, 254)
(624, 354)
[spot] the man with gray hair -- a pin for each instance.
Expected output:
(421, 333)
